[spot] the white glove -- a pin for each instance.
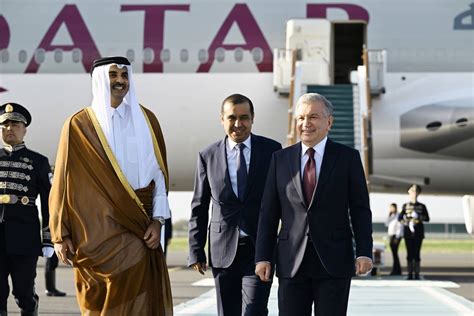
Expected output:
(411, 226)
(48, 252)
(414, 215)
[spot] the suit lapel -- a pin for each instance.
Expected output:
(254, 163)
(294, 161)
(222, 163)
(329, 160)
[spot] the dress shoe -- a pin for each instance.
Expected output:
(55, 292)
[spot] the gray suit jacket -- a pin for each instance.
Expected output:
(338, 212)
(212, 184)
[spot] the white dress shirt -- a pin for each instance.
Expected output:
(125, 149)
(232, 160)
(318, 156)
(394, 226)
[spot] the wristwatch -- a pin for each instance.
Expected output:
(160, 219)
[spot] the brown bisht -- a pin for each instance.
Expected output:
(92, 203)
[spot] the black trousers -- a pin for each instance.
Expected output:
(413, 248)
(394, 244)
(22, 270)
(51, 263)
(239, 290)
(312, 284)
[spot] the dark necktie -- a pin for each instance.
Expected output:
(309, 176)
(241, 172)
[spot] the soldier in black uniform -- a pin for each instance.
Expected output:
(412, 216)
(23, 175)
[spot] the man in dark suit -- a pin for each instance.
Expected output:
(317, 189)
(231, 173)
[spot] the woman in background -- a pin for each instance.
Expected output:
(395, 233)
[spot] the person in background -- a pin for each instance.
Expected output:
(50, 272)
(50, 277)
(412, 216)
(395, 233)
(168, 234)
(24, 174)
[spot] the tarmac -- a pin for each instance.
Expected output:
(447, 289)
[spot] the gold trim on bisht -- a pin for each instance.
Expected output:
(113, 160)
(158, 155)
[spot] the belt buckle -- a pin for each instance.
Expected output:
(5, 198)
(25, 200)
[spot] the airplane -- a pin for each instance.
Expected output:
(188, 55)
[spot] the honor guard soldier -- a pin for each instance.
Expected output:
(23, 175)
(412, 216)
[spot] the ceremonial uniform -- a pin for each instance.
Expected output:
(412, 216)
(24, 174)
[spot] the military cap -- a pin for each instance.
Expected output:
(14, 112)
(415, 187)
(119, 60)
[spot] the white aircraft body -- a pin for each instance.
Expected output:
(188, 55)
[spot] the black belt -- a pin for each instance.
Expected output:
(15, 199)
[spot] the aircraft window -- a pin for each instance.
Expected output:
(40, 56)
(22, 56)
(130, 55)
(203, 56)
(4, 56)
(238, 54)
(257, 54)
(462, 122)
(220, 54)
(58, 55)
(148, 55)
(76, 55)
(184, 55)
(433, 126)
(165, 55)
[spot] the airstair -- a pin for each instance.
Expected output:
(330, 58)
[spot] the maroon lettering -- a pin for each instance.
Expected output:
(80, 36)
(154, 29)
(4, 33)
(354, 11)
(251, 32)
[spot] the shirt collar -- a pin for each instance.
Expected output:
(13, 148)
(121, 109)
(231, 144)
(318, 148)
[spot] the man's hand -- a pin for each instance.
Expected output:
(152, 235)
(200, 267)
(263, 270)
(363, 265)
(64, 250)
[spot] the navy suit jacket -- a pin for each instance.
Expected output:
(339, 211)
(212, 185)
